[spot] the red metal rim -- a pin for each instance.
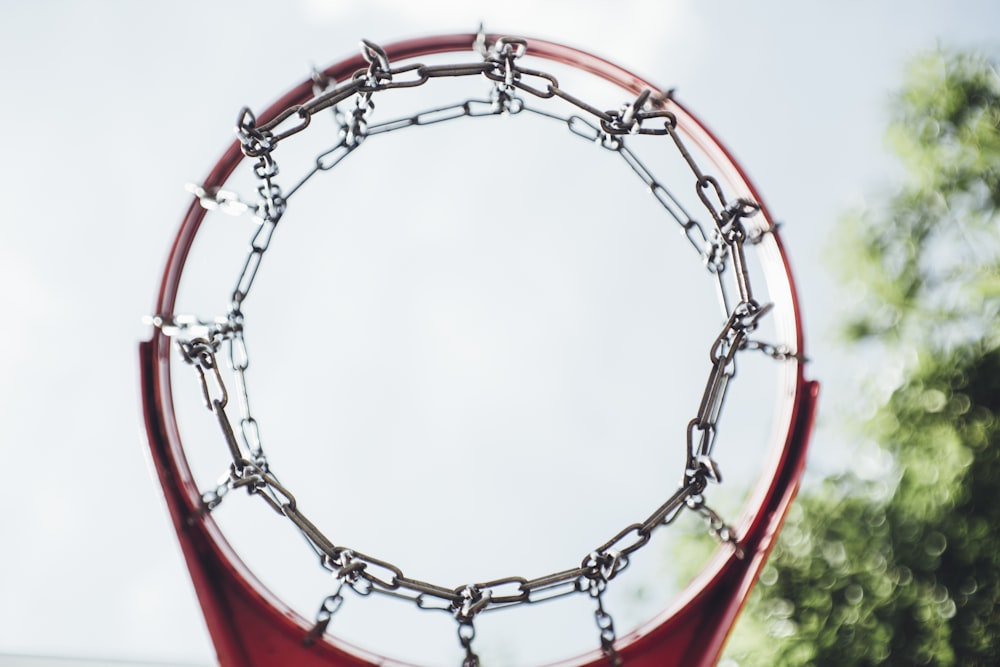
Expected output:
(250, 626)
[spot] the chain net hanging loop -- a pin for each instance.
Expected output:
(718, 235)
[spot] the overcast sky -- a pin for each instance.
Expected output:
(110, 108)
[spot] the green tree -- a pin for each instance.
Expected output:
(906, 570)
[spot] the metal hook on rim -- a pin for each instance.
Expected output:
(510, 47)
(375, 55)
(479, 44)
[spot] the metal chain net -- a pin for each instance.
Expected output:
(511, 91)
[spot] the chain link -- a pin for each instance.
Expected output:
(200, 341)
(212, 199)
(717, 527)
(466, 633)
(605, 625)
(331, 605)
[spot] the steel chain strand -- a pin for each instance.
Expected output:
(371, 79)
(324, 548)
(356, 84)
(664, 515)
(470, 108)
(213, 497)
(239, 362)
(713, 252)
(466, 633)
(212, 199)
(355, 568)
(605, 624)
(702, 181)
(258, 143)
(499, 66)
(779, 352)
(605, 563)
(552, 586)
(504, 72)
(270, 203)
(264, 484)
(717, 526)
(692, 229)
(504, 591)
(700, 440)
(333, 156)
(701, 467)
(735, 235)
(200, 351)
(328, 607)
(448, 597)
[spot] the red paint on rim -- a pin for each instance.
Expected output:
(251, 627)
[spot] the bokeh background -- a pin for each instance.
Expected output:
(111, 107)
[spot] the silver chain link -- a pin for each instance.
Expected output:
(200, 341)
(605, 624)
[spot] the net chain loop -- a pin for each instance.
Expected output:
(201, 341)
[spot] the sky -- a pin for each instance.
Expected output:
(112, 107)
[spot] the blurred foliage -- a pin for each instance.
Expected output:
(904, 569)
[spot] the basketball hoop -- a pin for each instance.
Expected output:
(724, 229)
